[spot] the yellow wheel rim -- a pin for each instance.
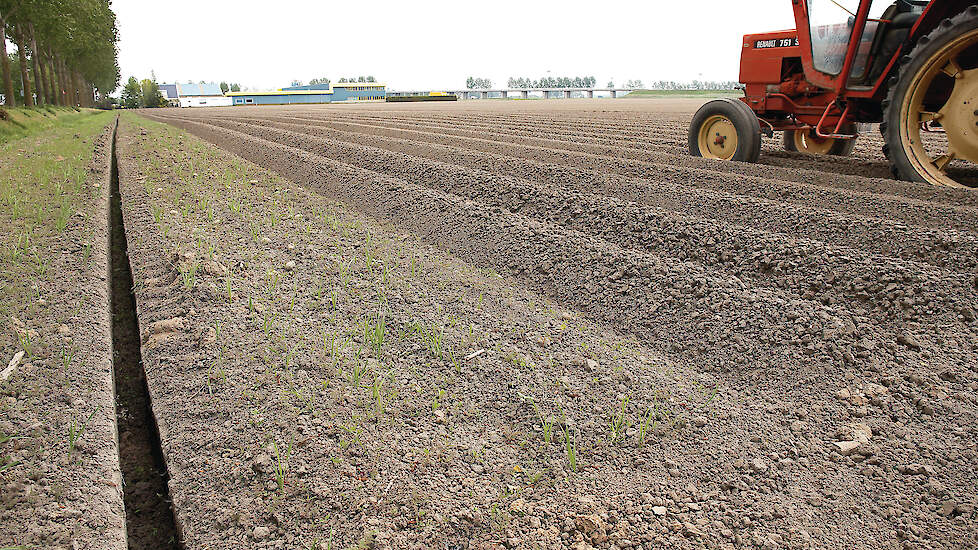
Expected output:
(958, 116)
(718, 138)
(807, 142)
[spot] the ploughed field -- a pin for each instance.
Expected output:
(543, 324)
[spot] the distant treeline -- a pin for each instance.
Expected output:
(693, 85)
(325, 81)
(553, 82)
(473, 83)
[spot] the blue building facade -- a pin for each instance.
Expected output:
(318, 93)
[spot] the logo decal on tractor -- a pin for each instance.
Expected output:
(776, 43)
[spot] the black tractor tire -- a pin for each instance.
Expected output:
(744, 121)
(902, 79)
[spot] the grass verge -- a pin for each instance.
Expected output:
(20, 122)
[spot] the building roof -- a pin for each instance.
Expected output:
(169, 91)
(208, 88)
(352, 84)
(314, 89)
(307, 87)
(284, 92)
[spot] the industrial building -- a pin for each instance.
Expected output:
(195, 95)
(316, 93)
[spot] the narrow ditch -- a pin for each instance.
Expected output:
(150, 523)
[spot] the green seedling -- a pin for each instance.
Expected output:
(570, 447)
(647, 425)
(75, 431)
(546, 422)
(307, 401)
(354, 432)
(374, 332)
(570, 442)
(268, 323)
(41, 265)
(24, 338)
(434, 339)
(67, 357)
(64, 213)
(710, 396)
(188, 275)
(5, 462)
(271, 282)
(620, 422)
(437, 399)
(368, 257)
(378, 394)
(281, 465)
(359, 369)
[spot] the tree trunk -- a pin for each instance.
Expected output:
(63, 79)
(8, 83)
(28, 97)
(59, 80)
(52, 78)
(39, 83)
(76, 90)
(56, 77)
(42, 58)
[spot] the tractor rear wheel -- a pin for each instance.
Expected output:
(805, 141)
(931, 112)
(725, 129)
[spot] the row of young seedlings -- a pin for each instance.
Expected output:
(373, 328)
(43, 199)
(374, 331)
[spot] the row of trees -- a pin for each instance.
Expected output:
(474, 83)
(591, 82)
(694, 85)
(142, 93)
(66, 51)
(553, 82)
(364, 79)
(232, 87)
(325, 81)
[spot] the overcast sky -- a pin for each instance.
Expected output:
(419, 44)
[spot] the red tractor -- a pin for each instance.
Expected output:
(910, 65)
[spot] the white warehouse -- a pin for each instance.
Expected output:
(195, 95)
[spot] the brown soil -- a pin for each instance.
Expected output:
(782, 355)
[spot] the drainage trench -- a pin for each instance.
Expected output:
(149, 516)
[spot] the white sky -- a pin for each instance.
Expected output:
(434, 44)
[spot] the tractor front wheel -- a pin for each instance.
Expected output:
(805, 141)
(725, 129)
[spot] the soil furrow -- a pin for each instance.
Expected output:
(809, 269)
(804, 170)
(952, 250)
(631, 290)
(881, 206)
